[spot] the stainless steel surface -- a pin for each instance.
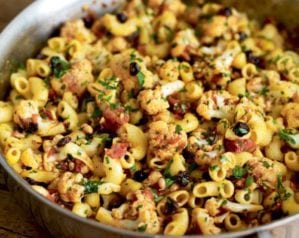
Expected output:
(21, 39)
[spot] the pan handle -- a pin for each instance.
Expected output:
(264, 234)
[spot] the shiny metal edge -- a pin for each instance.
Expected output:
(9, 33)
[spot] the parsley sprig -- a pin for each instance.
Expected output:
(59, 66)
(91, 186)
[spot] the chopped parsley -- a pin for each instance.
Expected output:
(59, 67)
(133, 169)
(92, 186)
(264, 91)
(167, 169)
(109, 83)
(223, 159)
(140, 78)
(169, 181)
(249, 181)
(178, 129)
(107, 159)
(185, 67)
(289, 136)
(214, 167)
(142, 228)
(96, 113)
(282, 192)
(266, 164)
(157, 198)
(129, 108)
(239, 172)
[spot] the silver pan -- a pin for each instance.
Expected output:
(24, 36)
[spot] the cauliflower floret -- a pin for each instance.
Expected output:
(175, 6)
(151, 101)
(26, 114)
(205, 146)
(185, 43)
(120, 65)
(291, 114)
(265, 172)
(145, 207)
(69, 187)
(169, 71)
(98, 56)
(165, 139)
(206, 223)
(79, 76)
(214, 28)
(212, 206)
(75, 30)
(216, 104)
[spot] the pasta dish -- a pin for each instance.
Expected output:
(164, 117)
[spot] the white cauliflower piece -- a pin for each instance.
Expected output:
(186, 42)
(212, 206)
(26, 113)
(165, 139)
(145, 207)
(69, 187)
(120, 65)
(152, 102)
(78, 77)
(216, 104)
(291, 114)
(75, 30)
(204, 221)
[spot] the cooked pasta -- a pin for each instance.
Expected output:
(164, 117)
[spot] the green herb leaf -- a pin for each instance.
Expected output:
(107, 159)
(157, 198)
(59, 66)
(239, 172)
(96, 113)
(91, 186)
(109, 83)
(167, 169)
(133, 169)
(266, 164)
(214, 167)
(178, 129)
(142, 228)
(282, 192)
(223, 159)
(264, 91)
(249, 180)
(169, 182)
(288, 136)
(140, 78)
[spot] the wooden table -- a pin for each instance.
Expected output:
(14, 222)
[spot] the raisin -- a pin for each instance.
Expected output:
(251, 58)
(31, 128)
(241, 129)
(242, 36)
(183, 178)
(121, 17)
(63, 141)
(134, 68)
(226, 11)
(140, 175)
(88, 21)
(170, 207)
